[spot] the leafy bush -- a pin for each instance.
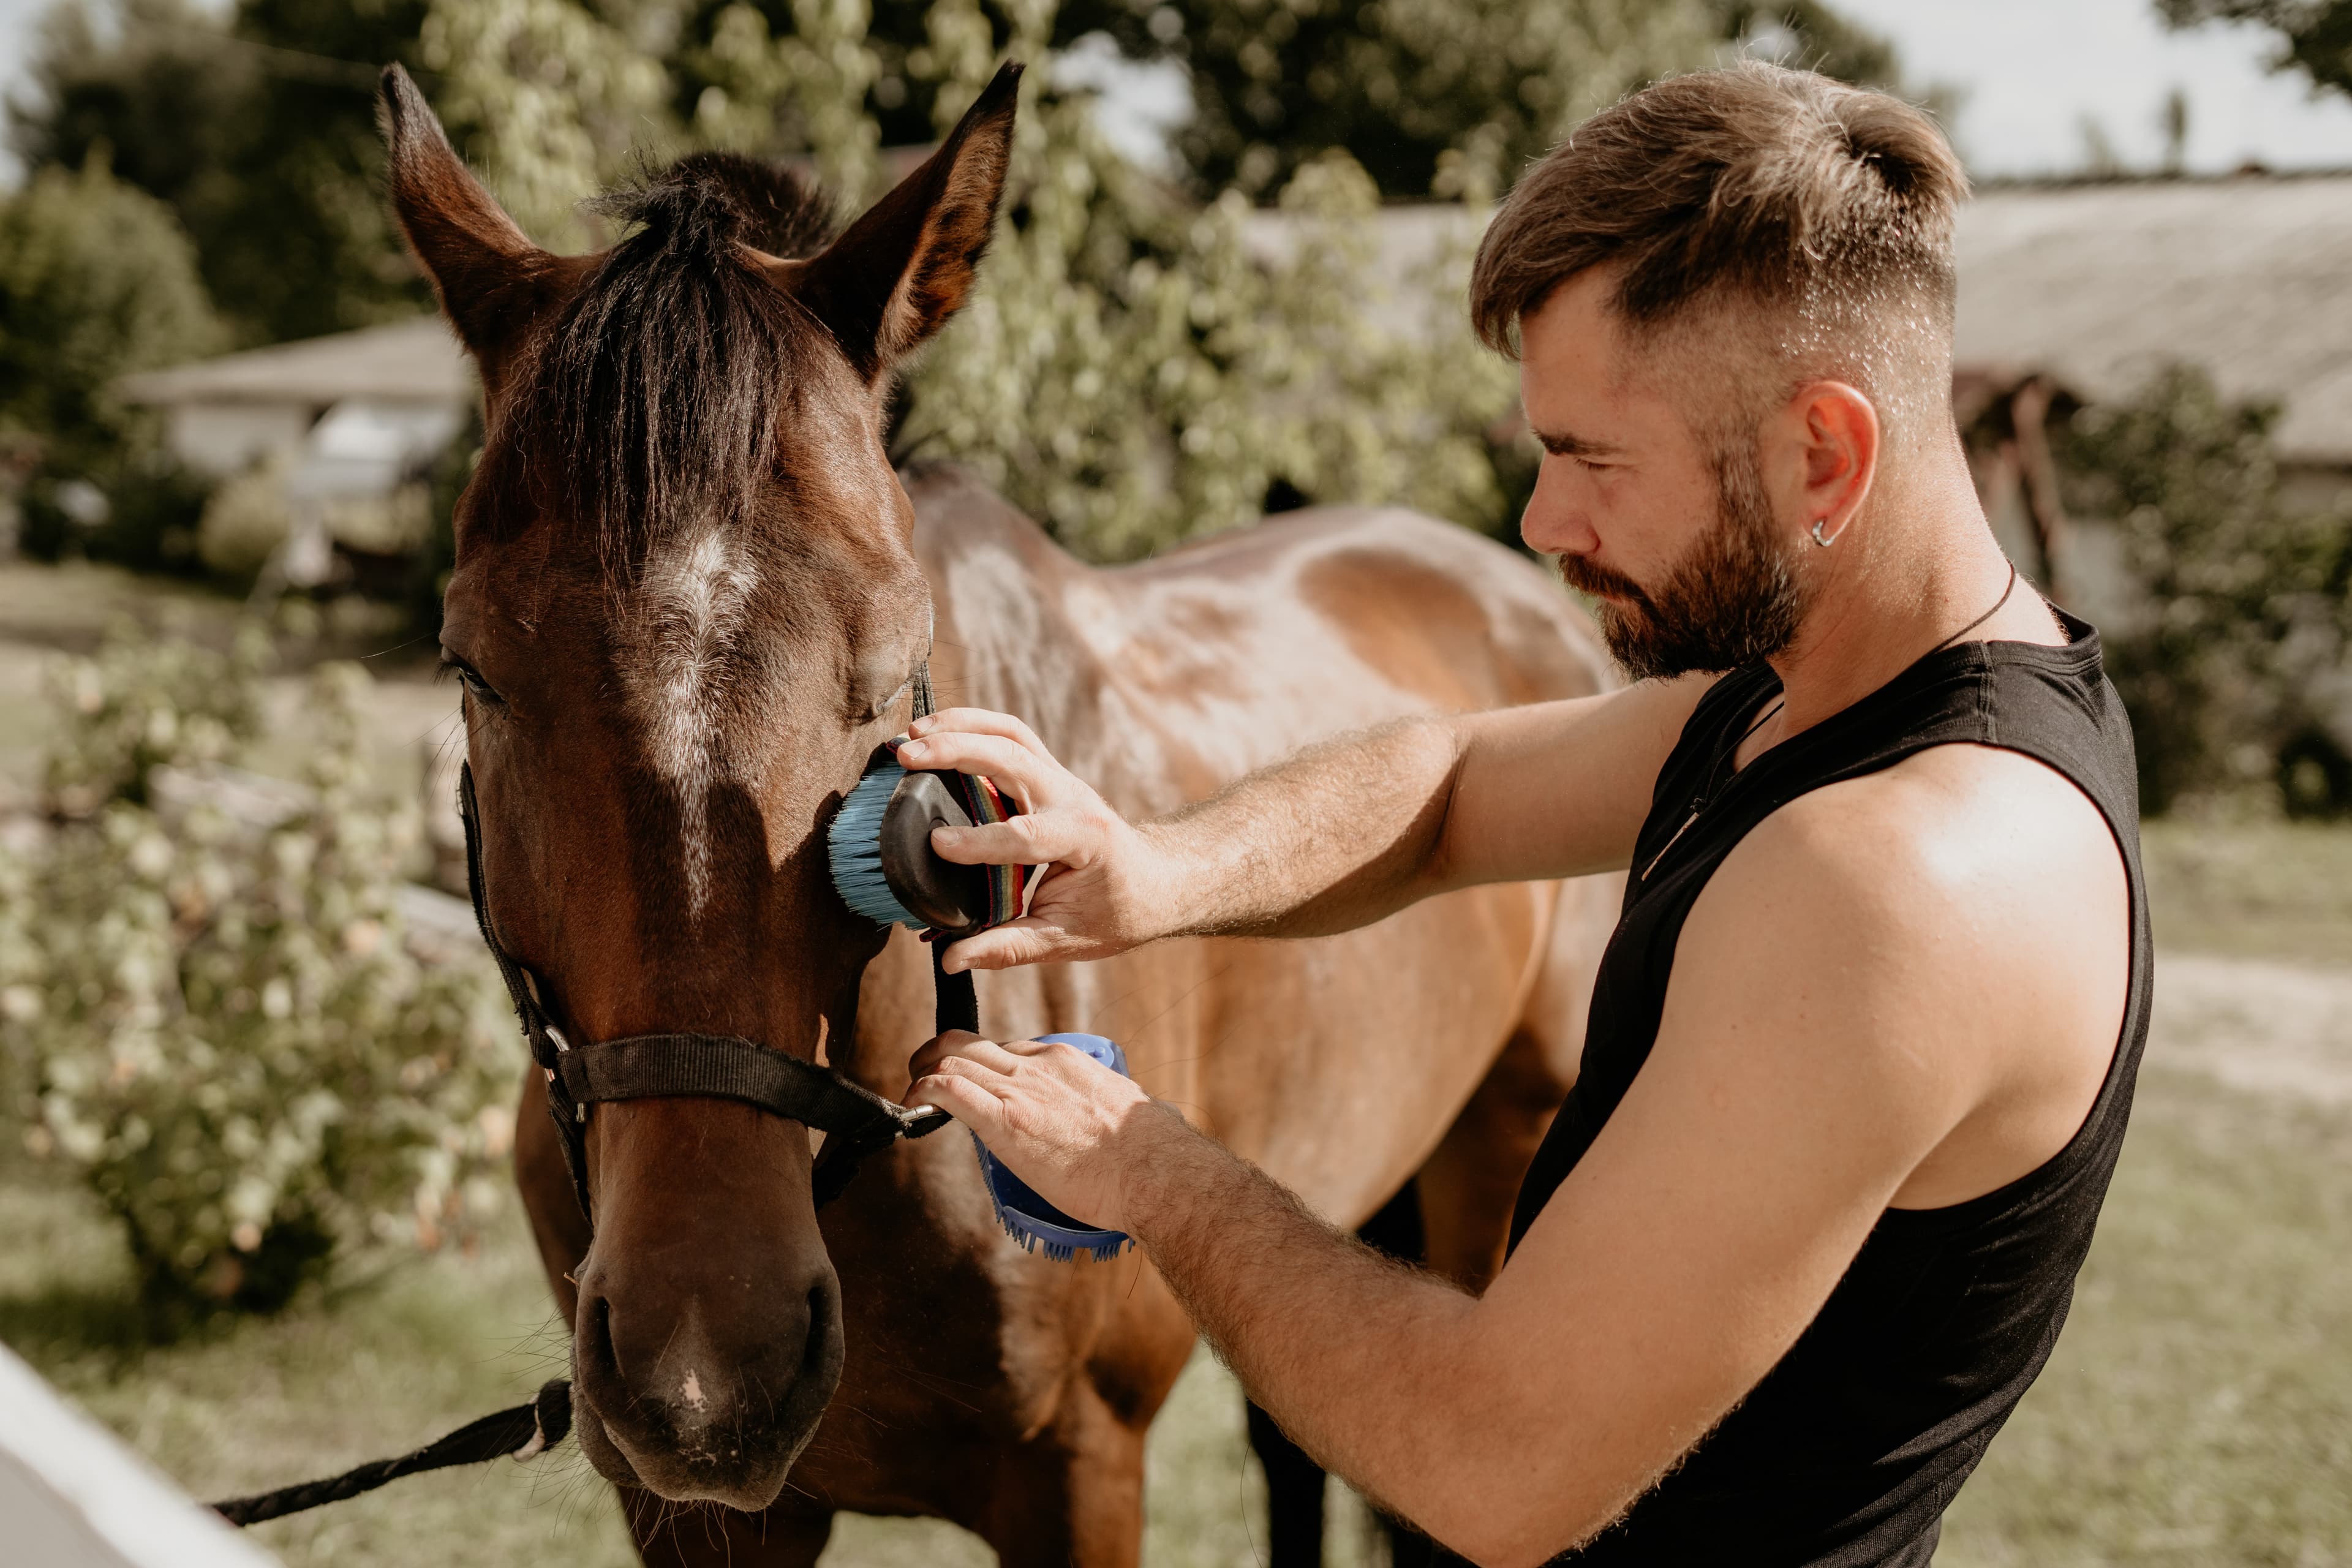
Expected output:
(221, 1027)
(1134, 370)
(2245, 601)
(140, 705)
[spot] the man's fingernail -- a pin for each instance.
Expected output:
(910, 748)
(947, 835)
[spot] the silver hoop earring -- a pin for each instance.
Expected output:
(1824, 543)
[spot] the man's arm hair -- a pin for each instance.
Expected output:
(1334, 838)
(1354, 829)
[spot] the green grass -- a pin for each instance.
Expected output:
(2199, 1410)
(2277, 889)
(379, 1366)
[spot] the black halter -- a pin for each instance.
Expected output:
(856, 1120)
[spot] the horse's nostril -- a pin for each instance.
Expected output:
(818, 1349)
(592, 1337)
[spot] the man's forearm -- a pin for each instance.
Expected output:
(1331, 1338)
(1337, 837)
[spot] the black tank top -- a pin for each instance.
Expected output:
(1849, 1451)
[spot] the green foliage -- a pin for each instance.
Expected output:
(2246, 599)
(1450, 97)
(1168, 376)
(258, 130)
(2315, 34)
(218, 1020)
(96, 281)
(141, 705)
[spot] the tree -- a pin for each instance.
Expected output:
(96, 281)
(2316, 34)
(2245, 598)
(257, 130)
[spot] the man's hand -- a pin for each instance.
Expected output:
(1064, 1123)
(1106, 888)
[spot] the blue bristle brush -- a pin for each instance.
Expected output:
(883, 863)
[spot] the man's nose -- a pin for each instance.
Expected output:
(1557, 520)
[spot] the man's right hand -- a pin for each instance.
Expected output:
(1106, 888)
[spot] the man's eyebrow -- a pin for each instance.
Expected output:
(1562, 443)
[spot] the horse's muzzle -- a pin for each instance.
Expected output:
(664, 1399)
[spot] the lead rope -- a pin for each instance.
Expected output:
(526, 1431)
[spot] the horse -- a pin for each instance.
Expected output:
(691, 595)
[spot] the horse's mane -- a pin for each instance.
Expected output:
(653, 400)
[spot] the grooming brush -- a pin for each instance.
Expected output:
(883, 862)
(1029, 1219)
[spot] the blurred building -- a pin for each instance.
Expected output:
(322, 443)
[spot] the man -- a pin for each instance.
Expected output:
(1860, 1054)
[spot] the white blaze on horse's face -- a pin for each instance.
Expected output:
(690, 609)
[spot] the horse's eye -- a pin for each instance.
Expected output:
(480, 689)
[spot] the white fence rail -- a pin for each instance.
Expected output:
(72, 1495)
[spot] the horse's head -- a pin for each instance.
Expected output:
(685, 609)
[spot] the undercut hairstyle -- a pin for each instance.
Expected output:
(1815, 214)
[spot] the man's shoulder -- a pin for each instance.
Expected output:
(1949, 823)
(1953, 869)
(1946, 935)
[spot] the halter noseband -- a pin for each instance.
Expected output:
(856, 1120)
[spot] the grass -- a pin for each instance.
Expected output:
(2198, 1412)
(2258, 889)
(347, 1376)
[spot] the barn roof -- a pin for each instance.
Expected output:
(2249, 276)
(415, 360)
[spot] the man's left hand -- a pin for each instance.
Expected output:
(1066, 1124)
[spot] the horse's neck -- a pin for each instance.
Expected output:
(1023, 628)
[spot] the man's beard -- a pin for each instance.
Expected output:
(1734, 600)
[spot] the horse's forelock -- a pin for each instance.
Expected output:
(651, 405)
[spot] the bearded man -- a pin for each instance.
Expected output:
(1860, 1051)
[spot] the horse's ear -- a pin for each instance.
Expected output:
(897, 274)
(489, 276)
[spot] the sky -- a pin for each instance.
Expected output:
(2029, 73)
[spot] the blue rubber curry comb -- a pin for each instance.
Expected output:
(1029, 1219)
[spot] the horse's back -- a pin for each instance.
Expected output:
(1163, 680)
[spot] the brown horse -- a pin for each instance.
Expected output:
(690, 594)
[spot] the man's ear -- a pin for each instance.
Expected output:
(897, 273)
(491, 279)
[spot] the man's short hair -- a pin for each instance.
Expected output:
(1825, 210)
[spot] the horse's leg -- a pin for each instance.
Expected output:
(1072, 1496)
(697, 1535)
(1470, 1183)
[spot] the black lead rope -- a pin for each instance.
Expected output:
(856, 1120)
(523, 1432)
